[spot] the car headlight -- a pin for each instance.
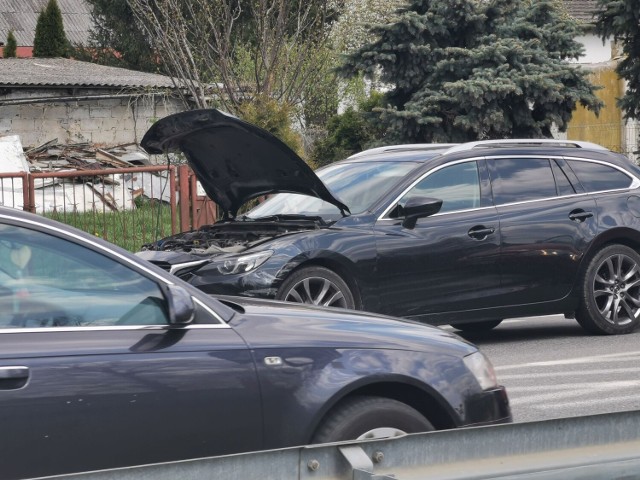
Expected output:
(482, 369)
(243, 263)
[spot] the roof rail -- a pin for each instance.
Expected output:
(525, 141)
(405, 147)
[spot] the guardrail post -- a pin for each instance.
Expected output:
(361, 464)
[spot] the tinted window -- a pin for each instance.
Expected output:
(521, 179)
(562, 181)
(46, 281)
(597, 177)
(458, 187)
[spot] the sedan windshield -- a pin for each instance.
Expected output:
(359, 185)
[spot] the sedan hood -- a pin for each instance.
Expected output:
(234, 161)
(268, 323)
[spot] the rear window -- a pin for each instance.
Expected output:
(596, 177)
(521, 179)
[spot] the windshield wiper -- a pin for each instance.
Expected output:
(286, 218)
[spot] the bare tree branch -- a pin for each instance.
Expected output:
(219, 53)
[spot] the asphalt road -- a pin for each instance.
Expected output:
(553, 369)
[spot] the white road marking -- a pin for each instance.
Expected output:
(613, 357)
(567, 392)
(595, 401)
(588, 386)
(549, 396)
(523, 376)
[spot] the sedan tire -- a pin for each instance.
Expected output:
(610, 293)
(317, 286)
(364, 418)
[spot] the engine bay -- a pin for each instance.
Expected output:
(232, 236)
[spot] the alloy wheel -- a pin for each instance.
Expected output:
(317, 291)
(616, 289)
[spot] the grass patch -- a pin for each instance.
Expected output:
(129, 229)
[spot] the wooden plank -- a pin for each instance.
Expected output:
(111, 159)
(107, 199)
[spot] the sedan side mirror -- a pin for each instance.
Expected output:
(182, 310)
(419, 207)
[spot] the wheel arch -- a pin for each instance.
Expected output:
(616, 236)
(621, 235)
(337, 264)
(425, 402)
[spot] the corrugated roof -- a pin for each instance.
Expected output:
(582, 10)
(62, 72)
(21, 16)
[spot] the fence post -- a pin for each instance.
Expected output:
(172, 198)
(193, 194)
(185, 198)
(29, 194)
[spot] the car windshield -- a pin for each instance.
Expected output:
(358, 185)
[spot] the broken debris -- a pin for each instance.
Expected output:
(111, 192)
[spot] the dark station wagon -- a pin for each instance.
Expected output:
(464, 234)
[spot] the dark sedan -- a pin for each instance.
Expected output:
(464, 234)
(108, 361)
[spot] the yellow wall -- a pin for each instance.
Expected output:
(606, 129)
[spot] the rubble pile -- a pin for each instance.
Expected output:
(61, 185)
(52, 156)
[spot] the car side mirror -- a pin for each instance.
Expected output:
(182, 310)
(419, 207)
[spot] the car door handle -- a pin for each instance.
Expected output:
(14, 373)
(480, 232)
(580, 215)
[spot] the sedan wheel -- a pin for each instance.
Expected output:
(610, 301)
(369, 418)
(317, 286)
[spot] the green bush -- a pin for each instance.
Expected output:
(350, 132)
(274, 117)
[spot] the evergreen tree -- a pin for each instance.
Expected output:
(469, 69)
(620, 19)
(50, 39)
(11, 48)
(116, 40)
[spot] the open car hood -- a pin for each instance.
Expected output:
(235, 161)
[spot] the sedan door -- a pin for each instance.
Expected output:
(547, 223)
(449, 261)
(93, 376)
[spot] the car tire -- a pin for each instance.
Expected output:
(362, 418)
(482, 326)
(610, 292)
(317, 286)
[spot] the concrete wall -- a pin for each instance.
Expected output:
(105, 122)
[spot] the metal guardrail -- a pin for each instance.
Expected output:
(595, 447)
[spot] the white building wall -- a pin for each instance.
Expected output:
(595, 50)
(105, 122)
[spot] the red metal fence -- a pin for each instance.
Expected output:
(127, 206)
